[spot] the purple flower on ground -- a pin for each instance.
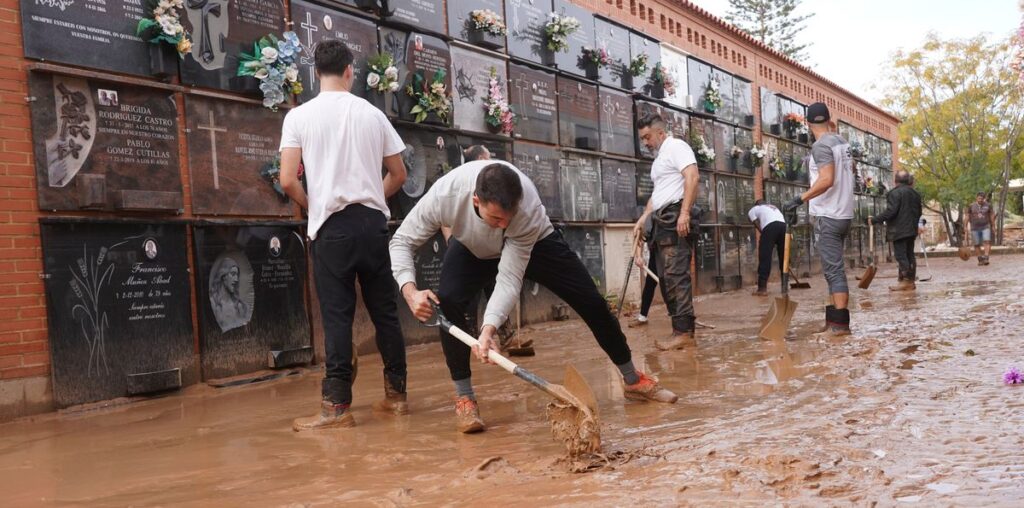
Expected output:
(1013, 376)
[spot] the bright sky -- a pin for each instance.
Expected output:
(852, 40)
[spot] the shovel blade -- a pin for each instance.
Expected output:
(578, 387)
(778, 319)
(869, 275)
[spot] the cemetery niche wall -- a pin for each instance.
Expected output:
(104, 146)
(616, 123)
(580, 187)
(251, 296)
(314, 23)
(541, 164)
(578, 115)
(417, 54)
(571, 60)
(614, 39)
(618, 181)
(533, 99)
(526, 39)
(119, 308)
(471, 76)
(425, 15)
(588, 244)
(230, 145)
(427, 156)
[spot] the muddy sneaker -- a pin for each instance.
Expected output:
(676, 341)
(903, 285)
(394, 401)
(648, 389)
(761, 290)
(467, 416)
(638, 321)
(331, 415)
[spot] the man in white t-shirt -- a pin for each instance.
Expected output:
(343, 140)
(772, 224)
(831, 206)
(676, 180)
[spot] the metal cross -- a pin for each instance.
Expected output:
(214, 129)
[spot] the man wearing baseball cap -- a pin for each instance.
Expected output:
(831, 205)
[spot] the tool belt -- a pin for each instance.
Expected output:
(666, 217)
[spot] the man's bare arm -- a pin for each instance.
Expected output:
(290, 160)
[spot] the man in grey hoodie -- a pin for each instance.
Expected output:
(500, 231)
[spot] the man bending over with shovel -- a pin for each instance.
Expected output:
(500, 231)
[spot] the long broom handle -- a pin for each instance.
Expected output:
(785, 257)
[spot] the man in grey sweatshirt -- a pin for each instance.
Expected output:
(501, 232)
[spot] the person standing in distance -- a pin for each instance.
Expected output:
(981, 220)
(676, 181)
(343, 141)
(831, 206)
(772, 224)
(902, 218)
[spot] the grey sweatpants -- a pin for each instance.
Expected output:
(831, 237)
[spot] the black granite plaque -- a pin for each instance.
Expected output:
(617, 127)
(744, 197)
(221, 31)
(773, 194)
(103, 145)
(614, 39)
(426, 15)
(707, 197)
(706, 261)
(748, 254)
(459, 24)
(727, 201)
(678, 123)
(228, 144)
(771, 120)
(569, 60)
(705, 129)
(588, 243)
(535, 103)
(799, 171)
(724, 142)
(471, 76)
(251, 295)
(118, 304)
(540, 163)
(427, 156)
(618, 180)
(525, 20)
(578, 115)
(313, 24)
(698, 76)
(580, 187)
(427, 261)
(97, 34)
(416, 53)
(644, 186)
(785, 151)
(802, 257)
(743, 110)
(724, 80)
(644, 108)
(744, 139)
(641, 44)
(729, 242)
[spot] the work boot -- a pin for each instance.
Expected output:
(467, 416)
(394, 401)
(837, 322)
(762, 289)
(331, 415)
(648, 389)
(986, 260)
(981, 260)
(638, 321)
(905, 282)
(678, 340)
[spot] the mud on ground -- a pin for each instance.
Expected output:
(909, 410)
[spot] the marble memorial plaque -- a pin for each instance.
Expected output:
(427, 156)
(525, 20)
(104, 145)
(706, 261)
(540, 163)
(532, 95)
(580, 187)
(221, 31)
(678, 123)
(729, 245)
(459, 24)
(617, 125)
(744, 139)
(674, 63)
(644, 186)
(588, 244)
(118, 303)
(743, 110)
(723, 147)
(228, 144)
(724, 80)
(771, 120)
(744, 198)
(727, 202)
(313, 24)
(618, 191)
(799, 172)
(614, 39)
(427, 262)
(251, 295)
(569, 60)
(698, 75)
(426, 15)
(706, 197)
(578, 115)
(99, 34)
(644, 108)
(705, 129)
(471, 76)
(652, 48)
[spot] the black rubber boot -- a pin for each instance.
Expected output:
(837, 321)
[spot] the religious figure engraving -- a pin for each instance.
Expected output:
(231, 292)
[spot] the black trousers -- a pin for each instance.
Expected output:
(903, 251)
(553, 265)
(650, 285)
(353, 243)
(773, 236)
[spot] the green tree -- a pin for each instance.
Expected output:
(963, 122)
(773, 22)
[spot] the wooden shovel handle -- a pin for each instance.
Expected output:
(785, 257)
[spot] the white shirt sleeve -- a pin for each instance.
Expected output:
(751, 215)
(515, 256)
(393, 143)
(290, 137)
(421, 224)
(682, 156)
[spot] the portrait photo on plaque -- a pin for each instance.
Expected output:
(103, 145)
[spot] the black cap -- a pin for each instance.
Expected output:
(818, 113)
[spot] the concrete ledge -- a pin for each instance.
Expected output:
(952, 253)
(25, 396)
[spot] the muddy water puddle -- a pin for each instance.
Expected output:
(895, 414)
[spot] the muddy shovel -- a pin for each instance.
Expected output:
(776, 322)
(869, 272)
(573, 415)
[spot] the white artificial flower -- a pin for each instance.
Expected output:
(394, 87)
(373, 79)
(292, 73)
(391, 72)
(167, 25)
(164, 5)
(261, 74)
(268, 55)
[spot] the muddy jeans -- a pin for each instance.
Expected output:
(672, 254)
(903, 250)
(831, 235)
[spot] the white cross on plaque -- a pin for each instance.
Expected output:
(310, 28)
(212, 127)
